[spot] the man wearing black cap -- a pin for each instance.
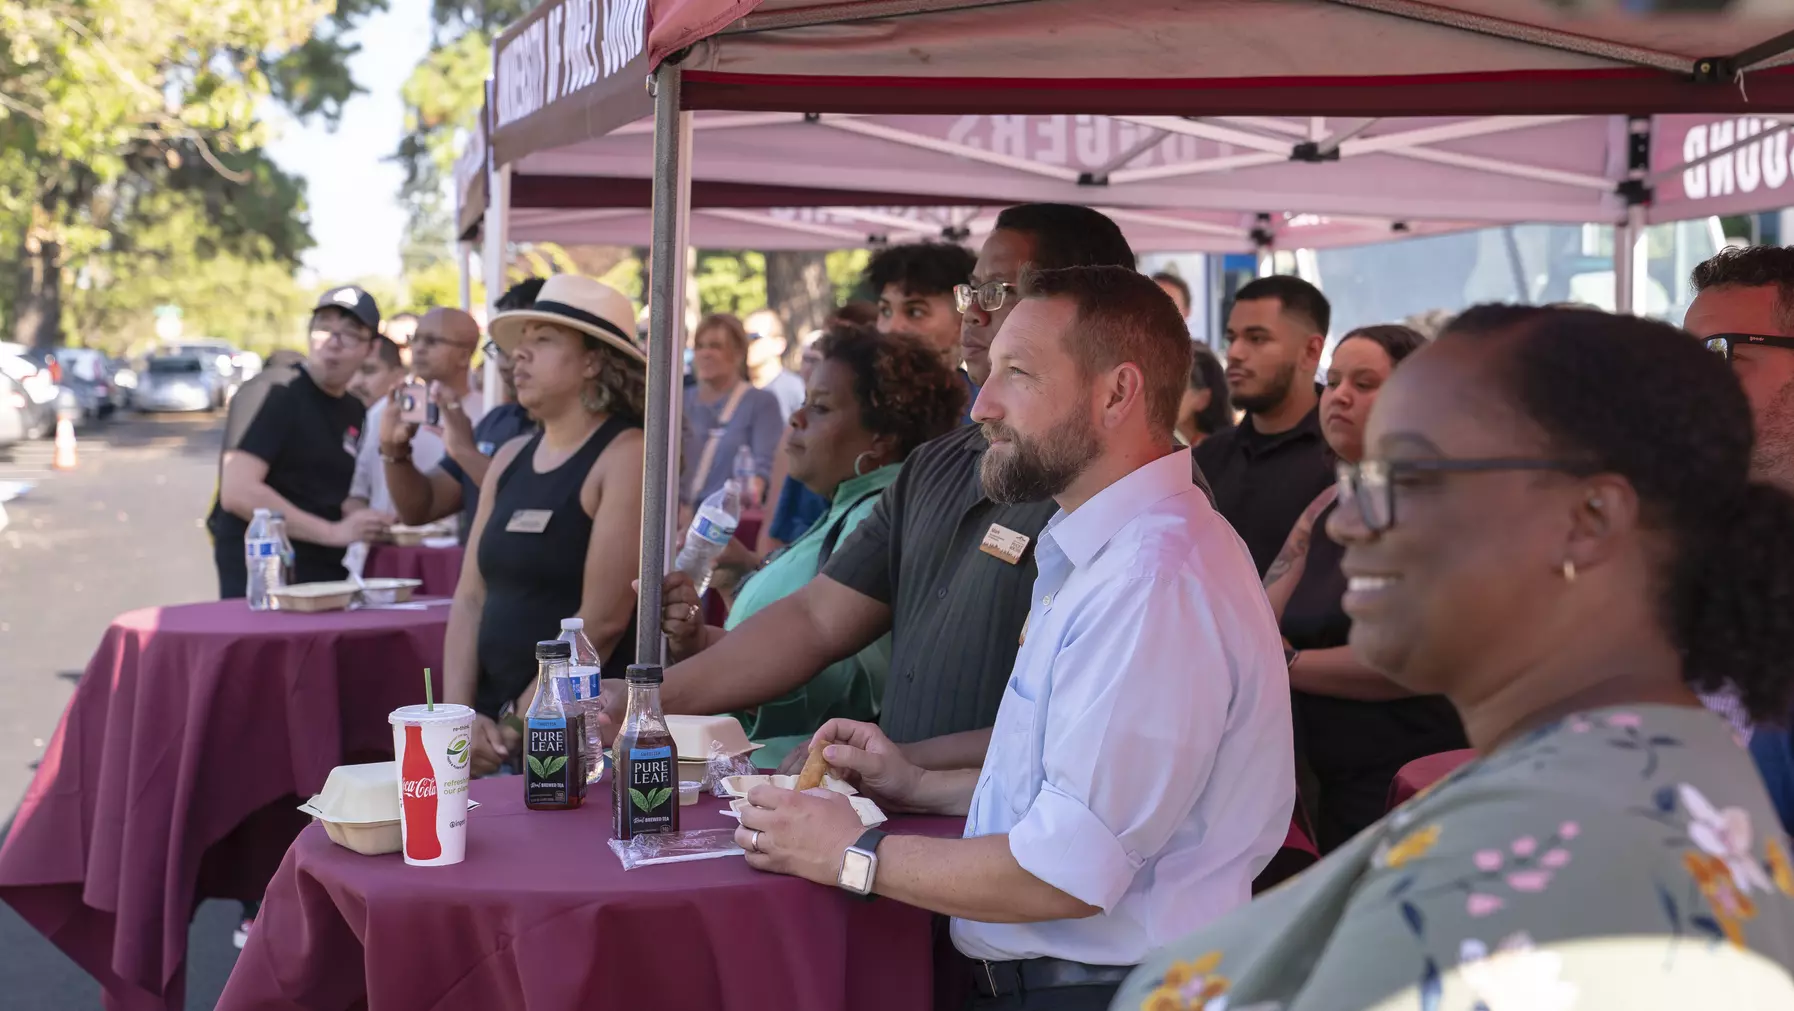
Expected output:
(295, 452)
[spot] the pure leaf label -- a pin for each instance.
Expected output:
(647, 801)
(640, 799)
(535, 766)
(554, 765)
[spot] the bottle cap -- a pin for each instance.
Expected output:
(554, 649)
(645, 674)
(573, 624)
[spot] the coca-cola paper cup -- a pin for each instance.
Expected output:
(431, 751)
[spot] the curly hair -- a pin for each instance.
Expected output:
(1647, 402)
(920, 268)
(902, 386)
(621, 389)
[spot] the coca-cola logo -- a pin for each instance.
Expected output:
(419, 789)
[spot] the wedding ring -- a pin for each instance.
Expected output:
(754, 842)
(692, 613)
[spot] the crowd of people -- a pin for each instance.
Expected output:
(1141, 613)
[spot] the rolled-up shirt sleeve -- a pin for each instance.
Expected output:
(1128, 746)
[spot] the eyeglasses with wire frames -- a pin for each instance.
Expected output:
(989, 296)
(350, 337)
(1371, 484)
(1724, 344)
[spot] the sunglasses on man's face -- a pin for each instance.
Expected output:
(1724, 344)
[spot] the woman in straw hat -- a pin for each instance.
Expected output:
(558, 531)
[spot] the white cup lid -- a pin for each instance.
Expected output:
(444, 712)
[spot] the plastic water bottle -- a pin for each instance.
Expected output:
(261, 552)
(288, 562)
(710, 531)
(745, 472)
(582, 683)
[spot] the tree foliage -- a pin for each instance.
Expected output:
(130, 137)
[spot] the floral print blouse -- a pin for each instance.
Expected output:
(1618, 859)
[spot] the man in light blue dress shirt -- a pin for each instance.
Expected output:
(1140, 773)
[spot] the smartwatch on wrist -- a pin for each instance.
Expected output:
(859, 864)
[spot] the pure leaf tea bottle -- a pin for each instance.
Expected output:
(554, 772)
(645, 789)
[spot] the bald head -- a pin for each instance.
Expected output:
(444, 346)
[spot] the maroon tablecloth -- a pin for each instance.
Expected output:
(1424, 772)
(542, 916)
(439, 568)
(169, 777)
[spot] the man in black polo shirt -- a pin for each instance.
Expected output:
(944, 569)
(296, 455)
(1267, 469)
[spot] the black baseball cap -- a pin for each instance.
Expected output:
(354, 301)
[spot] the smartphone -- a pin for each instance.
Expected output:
(415, 405)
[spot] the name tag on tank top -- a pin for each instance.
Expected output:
(1002, 542)
(529, 521)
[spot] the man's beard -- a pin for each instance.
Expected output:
(1036, 470)
(1772, 455)
(1281, 383)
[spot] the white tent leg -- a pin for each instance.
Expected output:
(1630, 258)
(666, 314)
(464, 263)
(497, 231)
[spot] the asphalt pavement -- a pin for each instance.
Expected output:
(123, 530)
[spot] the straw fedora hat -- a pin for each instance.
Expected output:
(578, 303)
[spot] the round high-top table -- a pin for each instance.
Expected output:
(541, 915)
(173, 774)
(439, 568)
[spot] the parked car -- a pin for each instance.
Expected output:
(182, 382)
(87, 383)
(36, 374)
(15, 407)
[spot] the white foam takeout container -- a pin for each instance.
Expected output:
(694, 735)
(409, 536)
(308, 598)
(870, 813)
(360, 808)
(386, 590)
(738, 786)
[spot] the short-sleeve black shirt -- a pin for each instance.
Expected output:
(308, 438)
(956, 612)
(1263, 482)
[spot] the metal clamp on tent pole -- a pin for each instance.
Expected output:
(1310, 151)
(1636, 189)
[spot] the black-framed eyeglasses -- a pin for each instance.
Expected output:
(1725, 343)
(989, 296)
(1371, 484)
(346, 337)
(492, 350)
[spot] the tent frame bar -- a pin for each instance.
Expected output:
(846, 13)
(666, 323)
(1513, 31)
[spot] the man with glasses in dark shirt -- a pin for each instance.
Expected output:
(1267, 469)
(297, 454)
(938, 564)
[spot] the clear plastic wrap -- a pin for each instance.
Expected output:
(676, 847)
(722, 765)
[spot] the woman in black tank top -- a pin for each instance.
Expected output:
(558, 532)
(1353, 727)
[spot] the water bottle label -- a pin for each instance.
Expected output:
(585, 683)
(711, 530)
(263, 549)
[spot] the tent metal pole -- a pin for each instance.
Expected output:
(1216, 323)
(855, 10)
(666, 314)
(498, 239)
(1762, 52)
(464, 261)
(1629, 257)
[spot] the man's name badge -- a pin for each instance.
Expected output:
(1002, 542)
(529, 521)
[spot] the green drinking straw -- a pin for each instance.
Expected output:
(429, 696)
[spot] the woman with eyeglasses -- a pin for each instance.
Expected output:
(1354, 727)
(871, 399)
(558, 530)
(1554, 526)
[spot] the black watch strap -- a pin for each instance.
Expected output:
(869, 840)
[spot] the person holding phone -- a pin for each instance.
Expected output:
(408, 420)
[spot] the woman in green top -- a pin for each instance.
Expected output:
(1553, 526)
(872, 399)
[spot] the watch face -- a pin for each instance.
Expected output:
(856, 872)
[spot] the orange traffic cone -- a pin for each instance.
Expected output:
(65, 445)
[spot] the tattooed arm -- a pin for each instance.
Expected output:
(1286, 569)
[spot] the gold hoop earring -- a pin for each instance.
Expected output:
(859, 462)
(1569, 571)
